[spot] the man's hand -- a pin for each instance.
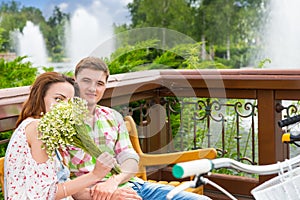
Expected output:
(125, 193)
(104, 190)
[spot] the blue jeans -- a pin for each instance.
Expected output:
(154, 191)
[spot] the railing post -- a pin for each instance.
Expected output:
(270, 148)
(156, 126)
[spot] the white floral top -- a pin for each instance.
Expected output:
(24, 178)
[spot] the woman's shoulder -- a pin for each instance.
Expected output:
(32, 126)
(31, 129)
(29, 122)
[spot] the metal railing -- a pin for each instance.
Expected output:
(197, 100)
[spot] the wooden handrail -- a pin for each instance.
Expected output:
(266, 86)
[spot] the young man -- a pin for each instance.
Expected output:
(109, 132)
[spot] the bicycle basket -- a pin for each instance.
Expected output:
(283, 186)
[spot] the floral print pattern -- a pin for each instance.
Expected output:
(24, 177)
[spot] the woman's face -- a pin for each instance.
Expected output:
(61, 91)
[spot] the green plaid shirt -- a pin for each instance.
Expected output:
(111, 134)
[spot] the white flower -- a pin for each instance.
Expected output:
(57, 126)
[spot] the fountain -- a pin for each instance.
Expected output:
(282, 45)
(31, 43)
(282, 41)
(88, 29)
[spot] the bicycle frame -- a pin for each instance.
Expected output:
(199, 168)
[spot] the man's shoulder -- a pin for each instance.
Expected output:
(107, 111)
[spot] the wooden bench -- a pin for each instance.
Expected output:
(151, 159)
(166, 158)
(2, 174)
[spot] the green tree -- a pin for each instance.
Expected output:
(161, 13)
(10, 20)
(230, 23)
(218, 24)
(54, 33)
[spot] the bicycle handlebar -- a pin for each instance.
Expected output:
(290, 138)
(203, 166)
(289, 121)
(180, 188)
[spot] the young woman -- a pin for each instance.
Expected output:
(29, 173)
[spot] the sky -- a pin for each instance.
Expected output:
(117, 9)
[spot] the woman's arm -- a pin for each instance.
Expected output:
(71, 187)
(104, 164)
(83, 195)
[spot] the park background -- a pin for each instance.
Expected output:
(217, 34)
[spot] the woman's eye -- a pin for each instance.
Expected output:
(58, 99)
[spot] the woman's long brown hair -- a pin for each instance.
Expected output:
(34, 106)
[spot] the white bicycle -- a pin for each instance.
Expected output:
(284, 186)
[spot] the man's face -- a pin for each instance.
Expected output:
(92, 84)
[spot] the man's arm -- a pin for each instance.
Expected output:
(105, 190)
(129, 168)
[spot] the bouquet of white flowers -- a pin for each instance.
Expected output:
(65, 125)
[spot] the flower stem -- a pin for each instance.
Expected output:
(89, 146)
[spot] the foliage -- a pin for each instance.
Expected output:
(145, 56)
(161, 13)
(262, 62)
(227, 24)
(16, 73)
(124, 59)
(3, 136)
(2, 38)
